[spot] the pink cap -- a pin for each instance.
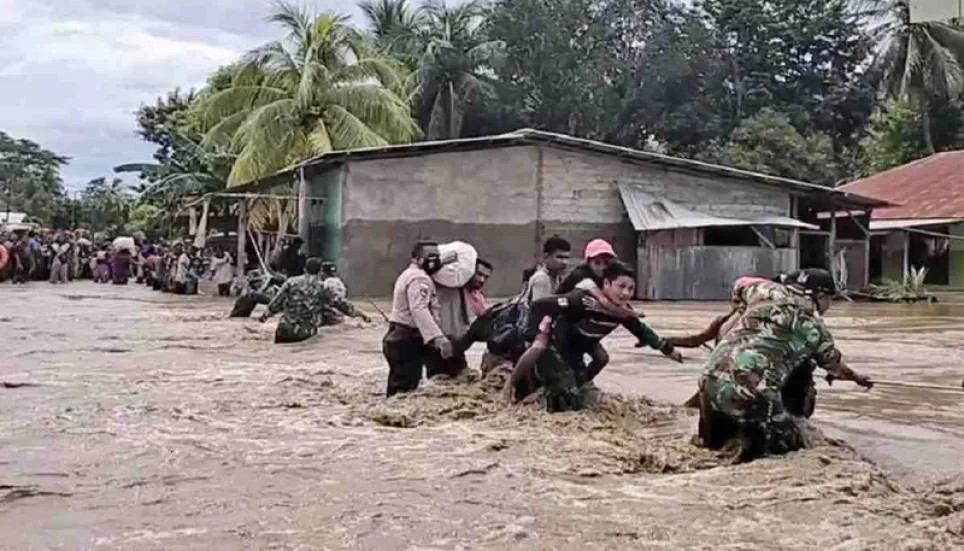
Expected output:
(599, 247)
(746, 281)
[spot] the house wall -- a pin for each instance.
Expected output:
(499, 200)
(485, 197)
(893, 251)
(893, 256)
(581, 200)
(707, 273)
(855, 257)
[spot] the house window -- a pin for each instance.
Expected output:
(730, 236)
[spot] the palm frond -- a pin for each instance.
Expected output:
(216, 107)
(271, 57)
(296, 19)
(319, 140)
(378, 109)
(389, 19)
(349, 132)
(222, 133)
(390, 73)
(316, 79)
(265, 141)
(942, 71)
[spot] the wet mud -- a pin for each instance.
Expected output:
(134, 420)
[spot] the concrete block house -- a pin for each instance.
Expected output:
(690, 227)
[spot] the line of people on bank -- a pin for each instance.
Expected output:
(57, 256)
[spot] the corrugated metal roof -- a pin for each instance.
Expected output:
(528, 136)
(932, 187)
(910, 223)
(649, 212)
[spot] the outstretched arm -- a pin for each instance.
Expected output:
(711, 333)
(647, 337)
(344, 306)
(830, 359)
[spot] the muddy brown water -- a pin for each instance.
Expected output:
(146, 421)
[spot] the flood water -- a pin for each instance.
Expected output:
(135, 420)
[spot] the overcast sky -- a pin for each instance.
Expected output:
(73, 72)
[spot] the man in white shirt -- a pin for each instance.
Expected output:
(556, 252)
(181, 266)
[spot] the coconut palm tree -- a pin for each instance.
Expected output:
(919, 61)
(455, 66)
(393, 26)
(320, 89)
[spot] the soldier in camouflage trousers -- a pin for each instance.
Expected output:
(303, 299)
(741, 388)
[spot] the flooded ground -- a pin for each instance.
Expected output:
(153, 422)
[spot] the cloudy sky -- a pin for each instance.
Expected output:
(73, 72)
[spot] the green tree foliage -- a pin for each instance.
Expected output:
(104, 205)
(802, 58)
(921, 62)
(319, 90)
(769, 143)
(30, 177)
(393, 27)
(454, 71)
(556, 63)
(896, 134)
(626, 71)
(785, 87)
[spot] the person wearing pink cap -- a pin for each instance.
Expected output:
(563, 329)
(599, 254)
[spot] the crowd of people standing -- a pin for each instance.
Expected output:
(61, 256)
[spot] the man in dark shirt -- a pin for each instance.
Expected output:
(599, 254)
(292, 260)
(577, 329)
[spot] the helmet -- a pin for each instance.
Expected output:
(813, 281)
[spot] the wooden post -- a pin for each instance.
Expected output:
(866, 231)
(906, 259)
(832, 241)
(242, 235)
(304, 209)
(539, 237)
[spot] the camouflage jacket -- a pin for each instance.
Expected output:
(775, 334)
(769, 291)
(303, 299)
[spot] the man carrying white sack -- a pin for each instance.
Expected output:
(459, 288)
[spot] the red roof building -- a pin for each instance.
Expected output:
(932, 187)
(926, 227)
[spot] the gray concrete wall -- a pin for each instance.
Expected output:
(485, 197)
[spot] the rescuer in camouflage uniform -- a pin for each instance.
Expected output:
(303, 299)
(741, 388)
